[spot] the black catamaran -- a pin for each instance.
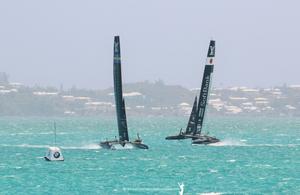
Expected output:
(194, 127)
(123, 141)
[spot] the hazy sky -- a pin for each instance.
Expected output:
(71, 41)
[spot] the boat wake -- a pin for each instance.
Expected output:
(243, 144)
(149, 189)
(84, 147)
(228, 143)
(274, 145)
(25, 146)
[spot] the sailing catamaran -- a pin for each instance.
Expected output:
(194, 127)
(123, 141)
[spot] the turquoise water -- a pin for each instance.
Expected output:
(256, 156)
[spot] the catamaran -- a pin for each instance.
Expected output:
(123, 141)
(195, 124)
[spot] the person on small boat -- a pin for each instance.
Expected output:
(181, 133)
(138, 140)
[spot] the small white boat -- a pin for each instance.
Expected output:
(54, 154)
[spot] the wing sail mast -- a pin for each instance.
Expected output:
(205, 87)
(120, 102)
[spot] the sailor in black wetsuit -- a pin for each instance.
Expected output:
(181, 133)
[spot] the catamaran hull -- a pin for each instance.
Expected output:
(176, 137)
(205, 140)
(116, 145)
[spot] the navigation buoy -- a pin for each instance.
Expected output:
(54, 154)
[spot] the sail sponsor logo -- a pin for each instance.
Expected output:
(117, 52)
(205, 91)
(116, 47)
(117, 58)
(211, 50)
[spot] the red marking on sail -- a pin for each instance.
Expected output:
(211, 61)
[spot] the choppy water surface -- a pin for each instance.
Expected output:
(256, 156)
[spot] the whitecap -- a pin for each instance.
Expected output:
(145, 159)
(149, 189)
(286, 179)
(45, 133)
(231, 160)
(90, 158)
(281, 135)
(24, 133)
(213, 170)
(263, 166)
(9, 176)
(163, 165)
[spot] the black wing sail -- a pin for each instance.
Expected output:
(120, 103)
(205, 87)
(192, 121)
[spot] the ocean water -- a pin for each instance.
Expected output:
(256, 156)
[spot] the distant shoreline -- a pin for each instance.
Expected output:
(147, 99)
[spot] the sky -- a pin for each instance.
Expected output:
(70, 42)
